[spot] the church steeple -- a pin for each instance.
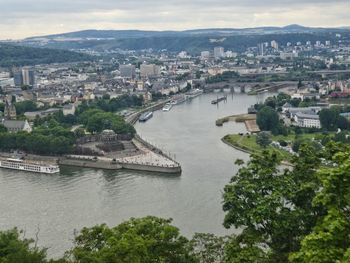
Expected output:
(9, 111)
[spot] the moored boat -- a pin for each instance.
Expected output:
(218, 100)
(146, 116)
(194, 93)
(29, 166)
(167, 107)
(178, 99)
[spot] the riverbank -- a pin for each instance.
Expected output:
(247, 144)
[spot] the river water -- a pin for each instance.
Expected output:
(57, 205)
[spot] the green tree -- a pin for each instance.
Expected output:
(330, 118)
(2, 128)
(263, 139)
(98, 121)
(274, 206)
(24, 106)
(267, 119)
(282, 98)
(208, 248)
(148, 239)
(14, 249)
(245, 248)
(329, 240)
(271, 101)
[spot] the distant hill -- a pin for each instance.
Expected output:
(118, 34)
(14, 55)
(189, 40)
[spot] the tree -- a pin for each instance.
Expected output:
(3, 128)
(148, 239)
(273, 206)
(267, 119)
(271, 101)
(244, 248)
(98, 120)
(282, 98)
(208, 248)
(106, 97)
(14, 249)
(263, 139)
(329, 118)
(342, 123)
(329, 241)
(295, 102)
(22, 107)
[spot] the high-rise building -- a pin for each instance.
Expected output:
(127, 71)
(205, 55)
(274, 44)
(17, 77)
(219, 52)
(328, 43)
(261, 49)
(149, 70)
(28, 76)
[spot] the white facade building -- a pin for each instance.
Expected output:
(307, 120)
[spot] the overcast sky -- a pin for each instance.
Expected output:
(23, 18)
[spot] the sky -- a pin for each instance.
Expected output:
(24, 18)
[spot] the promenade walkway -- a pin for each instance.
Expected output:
(147, 157)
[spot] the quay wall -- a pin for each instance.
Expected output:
(98, 164)
(151, 168)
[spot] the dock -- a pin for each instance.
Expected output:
(224, 98)
(252, 126)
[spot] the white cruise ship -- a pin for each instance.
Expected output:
(167, 107)
(19, 164)
(194, 93)
(177, 99)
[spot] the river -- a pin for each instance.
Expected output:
(57, 205)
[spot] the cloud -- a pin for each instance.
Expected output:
(22, 18)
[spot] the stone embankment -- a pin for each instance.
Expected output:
(149, 159)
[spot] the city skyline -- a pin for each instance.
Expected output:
(20, 20)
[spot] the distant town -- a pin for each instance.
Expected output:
(317, 71)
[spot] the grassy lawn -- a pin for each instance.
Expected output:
(248, 143)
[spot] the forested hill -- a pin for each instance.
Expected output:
(13, 55)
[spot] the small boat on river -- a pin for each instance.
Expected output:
(146, 116)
